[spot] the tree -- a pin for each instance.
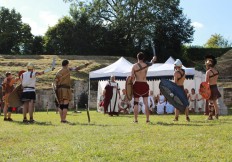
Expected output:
(58, 39)
(141, 21)
(217, 41)
(38, 45)
(14, 34)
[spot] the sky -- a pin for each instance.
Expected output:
(207, 16)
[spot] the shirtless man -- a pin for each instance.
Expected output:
(179, 77)
(211, 78)
(140, 86)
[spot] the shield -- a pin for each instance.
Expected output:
(15, 96)
(174, 94)
(129, 88)
(54, 92)
(205, 90)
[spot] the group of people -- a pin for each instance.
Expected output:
(112, 91)
(144, 102)
(27, 81)
(196, 101)
(156, 104)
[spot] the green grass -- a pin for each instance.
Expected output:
(115, 138)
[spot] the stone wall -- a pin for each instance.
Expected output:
(46, 99)
(228, 96)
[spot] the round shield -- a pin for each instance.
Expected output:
(205, 90)
(174, 94)
(15, 97)
(129, 88)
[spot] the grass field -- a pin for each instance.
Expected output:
(115, 138)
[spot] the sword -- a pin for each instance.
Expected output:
(153, 48)
(53, 62)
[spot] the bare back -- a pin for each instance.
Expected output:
(139, 75)
(179, 77)
(212, 76)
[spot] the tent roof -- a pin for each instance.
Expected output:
(166, 70)
(120, 69)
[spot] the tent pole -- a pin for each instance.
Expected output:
(89, 93)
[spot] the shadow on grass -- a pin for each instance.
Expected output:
(89, 124)
(35, 123)
(183, 124)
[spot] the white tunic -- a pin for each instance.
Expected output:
(28, 80)
(161, 104)
(113, 105)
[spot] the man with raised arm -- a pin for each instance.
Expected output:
(63, 85)
(140, 86)
(28, 97)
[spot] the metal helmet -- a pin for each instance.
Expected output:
(30, 66)
(178, 63)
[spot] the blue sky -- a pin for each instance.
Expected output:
(208, 16)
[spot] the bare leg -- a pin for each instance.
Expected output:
(9, 115)
(25, 109)
(187, 114)
(176, 114)
(216, 108)
(136, 109)
(31, 108)
(5, 111)
(145, 101)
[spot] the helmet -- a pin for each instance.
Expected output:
(178, 63)
(30, 66)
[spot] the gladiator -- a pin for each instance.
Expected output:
(140, 86)
(8, 87)
(211, 78)
(179, 77)
(63, 87)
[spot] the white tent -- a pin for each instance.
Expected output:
(166, 70)
(120, 69)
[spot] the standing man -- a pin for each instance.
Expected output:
(113, 87)
(63, 87)
(8, 87)
(28, 97)
(211, 79)
(179, 77)
(140, 86)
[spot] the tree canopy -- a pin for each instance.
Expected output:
(134, 23)
(15, 36)
(217, 41)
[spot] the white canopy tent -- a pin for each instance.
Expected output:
(122, 68)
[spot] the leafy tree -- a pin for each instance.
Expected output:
(140, 21)
(58, 39)
(38, 45)
(217, 41)
(14, 34)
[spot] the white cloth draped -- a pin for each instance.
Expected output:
(161, 104)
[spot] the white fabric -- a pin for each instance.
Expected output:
(169, 108)
(160, 105)
(28, 80)
(151, 103)
(192, 101)
(121, 68)
(113, 105)
(200, 102)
